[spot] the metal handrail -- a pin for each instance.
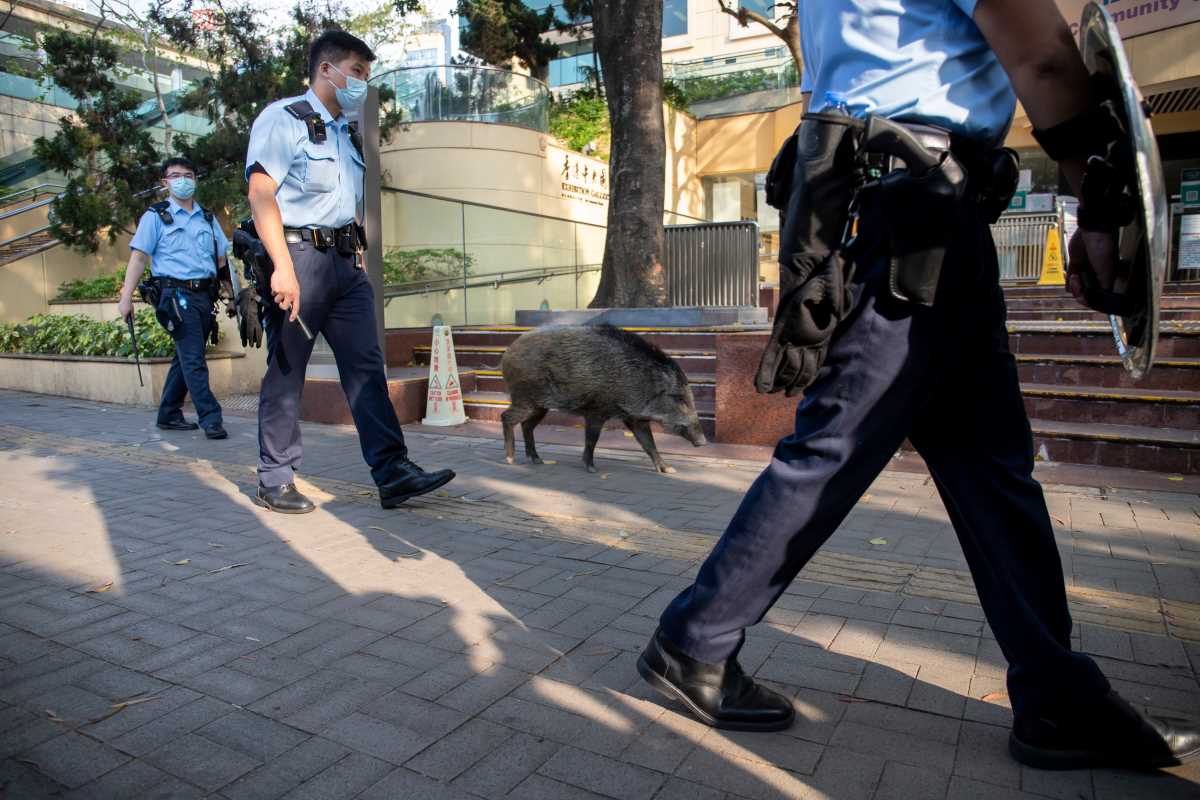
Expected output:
(34, 190)
(480, 68)
(493, 279)
(18, 211)
(24, 235)
(475, 204)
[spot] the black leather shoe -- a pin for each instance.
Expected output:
(1110, 734)
(285, 499)
(720, 695)
(409, 480)
(178, 425)
(216, 432)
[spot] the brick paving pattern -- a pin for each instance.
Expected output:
(161, 637)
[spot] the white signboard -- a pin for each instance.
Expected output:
(1135, 17)
(1189, 241)
(1025, 181)
(1039, 202)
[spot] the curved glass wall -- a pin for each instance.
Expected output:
(465, 93)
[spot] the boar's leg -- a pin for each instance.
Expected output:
(641, 432)
(513, 416)
(592, 428)
(527, 428)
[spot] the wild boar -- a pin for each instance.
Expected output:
(599, 372)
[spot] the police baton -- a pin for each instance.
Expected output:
(137, 358)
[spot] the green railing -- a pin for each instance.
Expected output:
(466, 93)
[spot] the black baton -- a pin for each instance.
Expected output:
(137, 359)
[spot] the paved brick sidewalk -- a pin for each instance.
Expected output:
(162, 637)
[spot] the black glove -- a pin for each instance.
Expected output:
(804, 325)
(250, 326)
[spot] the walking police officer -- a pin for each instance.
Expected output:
(917, 355)
(186, 249)
(305, 170)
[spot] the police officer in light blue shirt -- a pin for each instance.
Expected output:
(305, 169)
(918, 350)
(185, 247)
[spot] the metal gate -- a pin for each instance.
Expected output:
(711, 264)
(1021, 244)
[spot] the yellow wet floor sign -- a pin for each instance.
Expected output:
(1052, 260)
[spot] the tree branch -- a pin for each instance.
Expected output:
(745, 16)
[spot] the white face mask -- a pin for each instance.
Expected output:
(352, 97)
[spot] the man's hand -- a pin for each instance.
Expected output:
(1094, 250)
(226, 294)
(286, 290)
(125, 305)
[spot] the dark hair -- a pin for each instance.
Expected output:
(333, 46)
(178, 161)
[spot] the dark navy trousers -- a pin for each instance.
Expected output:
(336, 300)
(189, 370)
(943, 377)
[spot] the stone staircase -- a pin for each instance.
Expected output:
(479, 349)
(1083, 407)
(26, 246)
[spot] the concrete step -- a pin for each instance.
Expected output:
(1178, 339)
(1084, 315)
(665, 338)
(1066, 303)
(1123, 446)
(1162, 408)
(1032, 291)
(704, 386)
(488, 357)
(488, 406)
(1106, 371)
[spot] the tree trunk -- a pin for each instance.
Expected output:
(628, 39)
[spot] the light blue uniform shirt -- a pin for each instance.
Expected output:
(183, 249)
(320, 185)
(919, 61)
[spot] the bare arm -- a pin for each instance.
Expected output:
(133, 273)
(1034, 45)
(269, 224)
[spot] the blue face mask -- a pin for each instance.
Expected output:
(352, 97)
(183, 188)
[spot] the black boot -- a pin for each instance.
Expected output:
(285, 499)
(408, 480)
(1109, 734)
(180, 424)
(720, 695)
(216, 432)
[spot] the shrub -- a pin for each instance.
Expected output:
(581, 119)
(77, 335)
(406, 266)
(101, 287)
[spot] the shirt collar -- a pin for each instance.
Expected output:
(175, 208)
(320, 108)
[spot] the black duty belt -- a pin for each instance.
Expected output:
(196, 285)
(322, 238)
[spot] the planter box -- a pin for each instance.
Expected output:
(110, 380)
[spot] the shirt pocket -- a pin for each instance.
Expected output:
(320, 170)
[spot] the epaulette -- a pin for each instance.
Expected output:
(303, 110)
(160, 208)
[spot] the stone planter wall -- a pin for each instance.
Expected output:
(112, 380)
(248, 368)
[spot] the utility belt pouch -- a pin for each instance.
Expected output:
(1003, 175)
(917, 209)
(150, 291)
(346, 240)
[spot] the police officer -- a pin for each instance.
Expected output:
(940, 375)
(305, 170)
(185, 247)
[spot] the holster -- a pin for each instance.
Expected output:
(916, 209)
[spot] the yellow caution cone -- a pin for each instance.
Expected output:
(1052, 260)
(443, 402)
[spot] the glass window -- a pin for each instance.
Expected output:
(675, 18)
(763, 7)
